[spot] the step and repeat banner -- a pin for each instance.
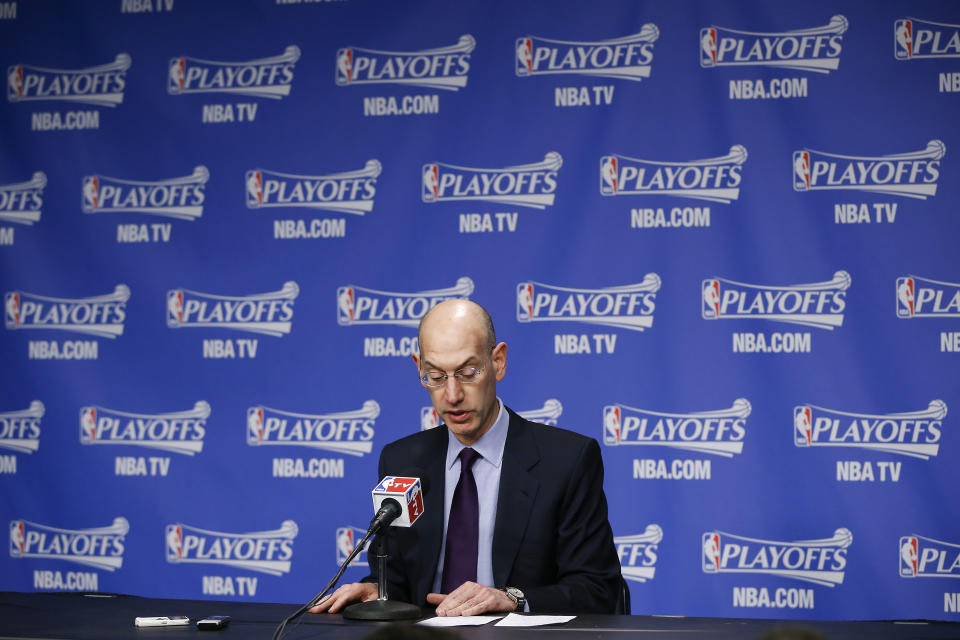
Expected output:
(720, 237)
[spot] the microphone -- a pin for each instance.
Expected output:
(399, 502)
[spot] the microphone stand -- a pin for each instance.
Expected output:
(356, 550)
(382, 608)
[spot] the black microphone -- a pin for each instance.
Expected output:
(410, 488)
(389, 511)
(399, 500)
(399, 503)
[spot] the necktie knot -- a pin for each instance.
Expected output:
(467, 457)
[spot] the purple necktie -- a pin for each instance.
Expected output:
(460, 558)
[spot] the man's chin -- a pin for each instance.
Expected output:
(465, 427)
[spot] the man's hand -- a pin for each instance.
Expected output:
(471, 599)
(346, 594)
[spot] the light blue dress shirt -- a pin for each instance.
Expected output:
(486, 471)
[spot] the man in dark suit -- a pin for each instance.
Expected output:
(536, 537)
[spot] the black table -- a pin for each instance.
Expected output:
(61, 616)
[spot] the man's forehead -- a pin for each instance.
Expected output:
(451, 352)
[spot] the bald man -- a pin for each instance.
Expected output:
(542, 542)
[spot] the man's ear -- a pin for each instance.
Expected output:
(500, 360)
(416, 360)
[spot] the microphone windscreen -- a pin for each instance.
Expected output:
(408, 490)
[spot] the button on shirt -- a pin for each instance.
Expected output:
(486, 471)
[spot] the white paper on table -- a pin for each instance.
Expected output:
(516, 620)
(457, 621)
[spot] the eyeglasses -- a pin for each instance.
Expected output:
(467, 375)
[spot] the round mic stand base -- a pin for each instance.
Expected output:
(382, 610)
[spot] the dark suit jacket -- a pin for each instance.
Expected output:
(552, 539)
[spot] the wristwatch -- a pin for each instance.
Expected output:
(518, 596)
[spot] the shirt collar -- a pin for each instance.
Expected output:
(489, 446)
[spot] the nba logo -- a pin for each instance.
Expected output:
(711, 299)
(431, 182)
(611, 425)
(346, 300)
(175, 308)
(524, 56)
(347, 538)
(608, 176)
(429, 418)
(903, 39)
(17, 538)
(255, 425)
(91, 193)
(174, 543)
(15, 84)
(905, 297)
(708, 47)
(711, 552)
(88, 425)
(524, 302)
(177, 75)
(803, 423)
(909, 553)
(254, 189)
(801, 170)
(12, 310)
(344, 66)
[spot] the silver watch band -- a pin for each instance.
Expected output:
(519, 603)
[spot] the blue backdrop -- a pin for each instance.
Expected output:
(717, 236)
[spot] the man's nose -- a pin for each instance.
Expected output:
(453, 390)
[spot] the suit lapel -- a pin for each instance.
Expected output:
(431, 531)
(518, 490)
